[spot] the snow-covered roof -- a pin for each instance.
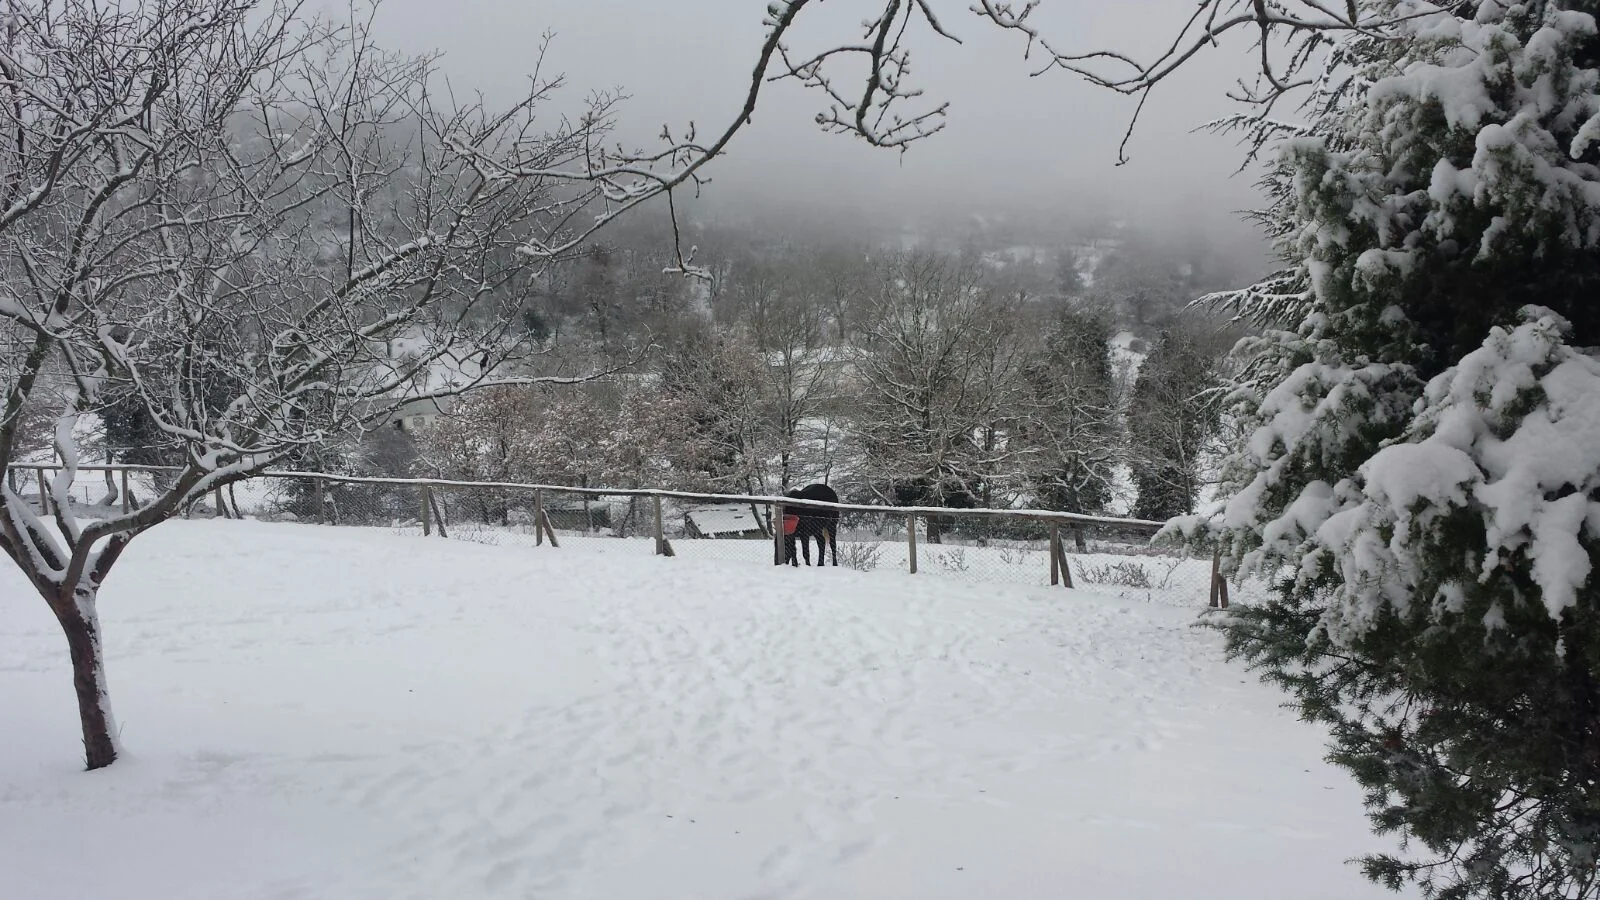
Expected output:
(723, 518)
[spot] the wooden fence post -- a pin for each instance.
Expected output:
(424, 495)
(222, 508)
(438, 518)
(779, 555)
(549, 530)
(44, 494)
(1055, 557)
(662, 547)
(127, 503)
(1061, 561)
(911, 541)
(1219, 583)
(538, 518)
(1216, 572)
(318, 498)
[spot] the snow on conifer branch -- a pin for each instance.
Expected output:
(1510, 437)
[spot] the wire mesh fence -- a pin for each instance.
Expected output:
(1028, 547)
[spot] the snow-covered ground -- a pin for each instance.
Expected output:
(317, 712)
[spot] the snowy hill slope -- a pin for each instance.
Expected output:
(335, 713)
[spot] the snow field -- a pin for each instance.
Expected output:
(1152, 576)
(316, 712)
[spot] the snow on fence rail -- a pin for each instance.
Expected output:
(1042, 547)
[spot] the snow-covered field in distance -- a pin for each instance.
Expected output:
(343, 713)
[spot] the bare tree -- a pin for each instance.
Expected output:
(939, 368)
(836, 275)
(753, 288)
(260, 230)
(1071, 413)
(597, 293)
(710, 399)
(1172, 415)
(570, 440)
(880, 103)
(801, 378)
(484, 437)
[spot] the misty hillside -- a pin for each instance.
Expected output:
(988, 361)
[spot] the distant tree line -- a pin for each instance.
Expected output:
(952, 377)
(914, 378)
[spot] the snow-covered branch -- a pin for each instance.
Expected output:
(231, 233)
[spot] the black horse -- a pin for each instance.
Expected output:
(815, 522)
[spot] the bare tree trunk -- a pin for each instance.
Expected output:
(80, 621)
(620, 527)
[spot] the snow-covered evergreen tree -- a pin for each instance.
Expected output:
(1074, 416)
(1172, 413)
(710, 394)
(1423, 470)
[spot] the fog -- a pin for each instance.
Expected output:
(1014, 143)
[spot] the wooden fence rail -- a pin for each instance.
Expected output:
(432, 519)
(1042, 515)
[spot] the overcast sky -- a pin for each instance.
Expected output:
(1009, 137)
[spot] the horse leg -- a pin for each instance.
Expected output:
(832, 534)
(788, 551)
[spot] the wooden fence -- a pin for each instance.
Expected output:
(1057, 527)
